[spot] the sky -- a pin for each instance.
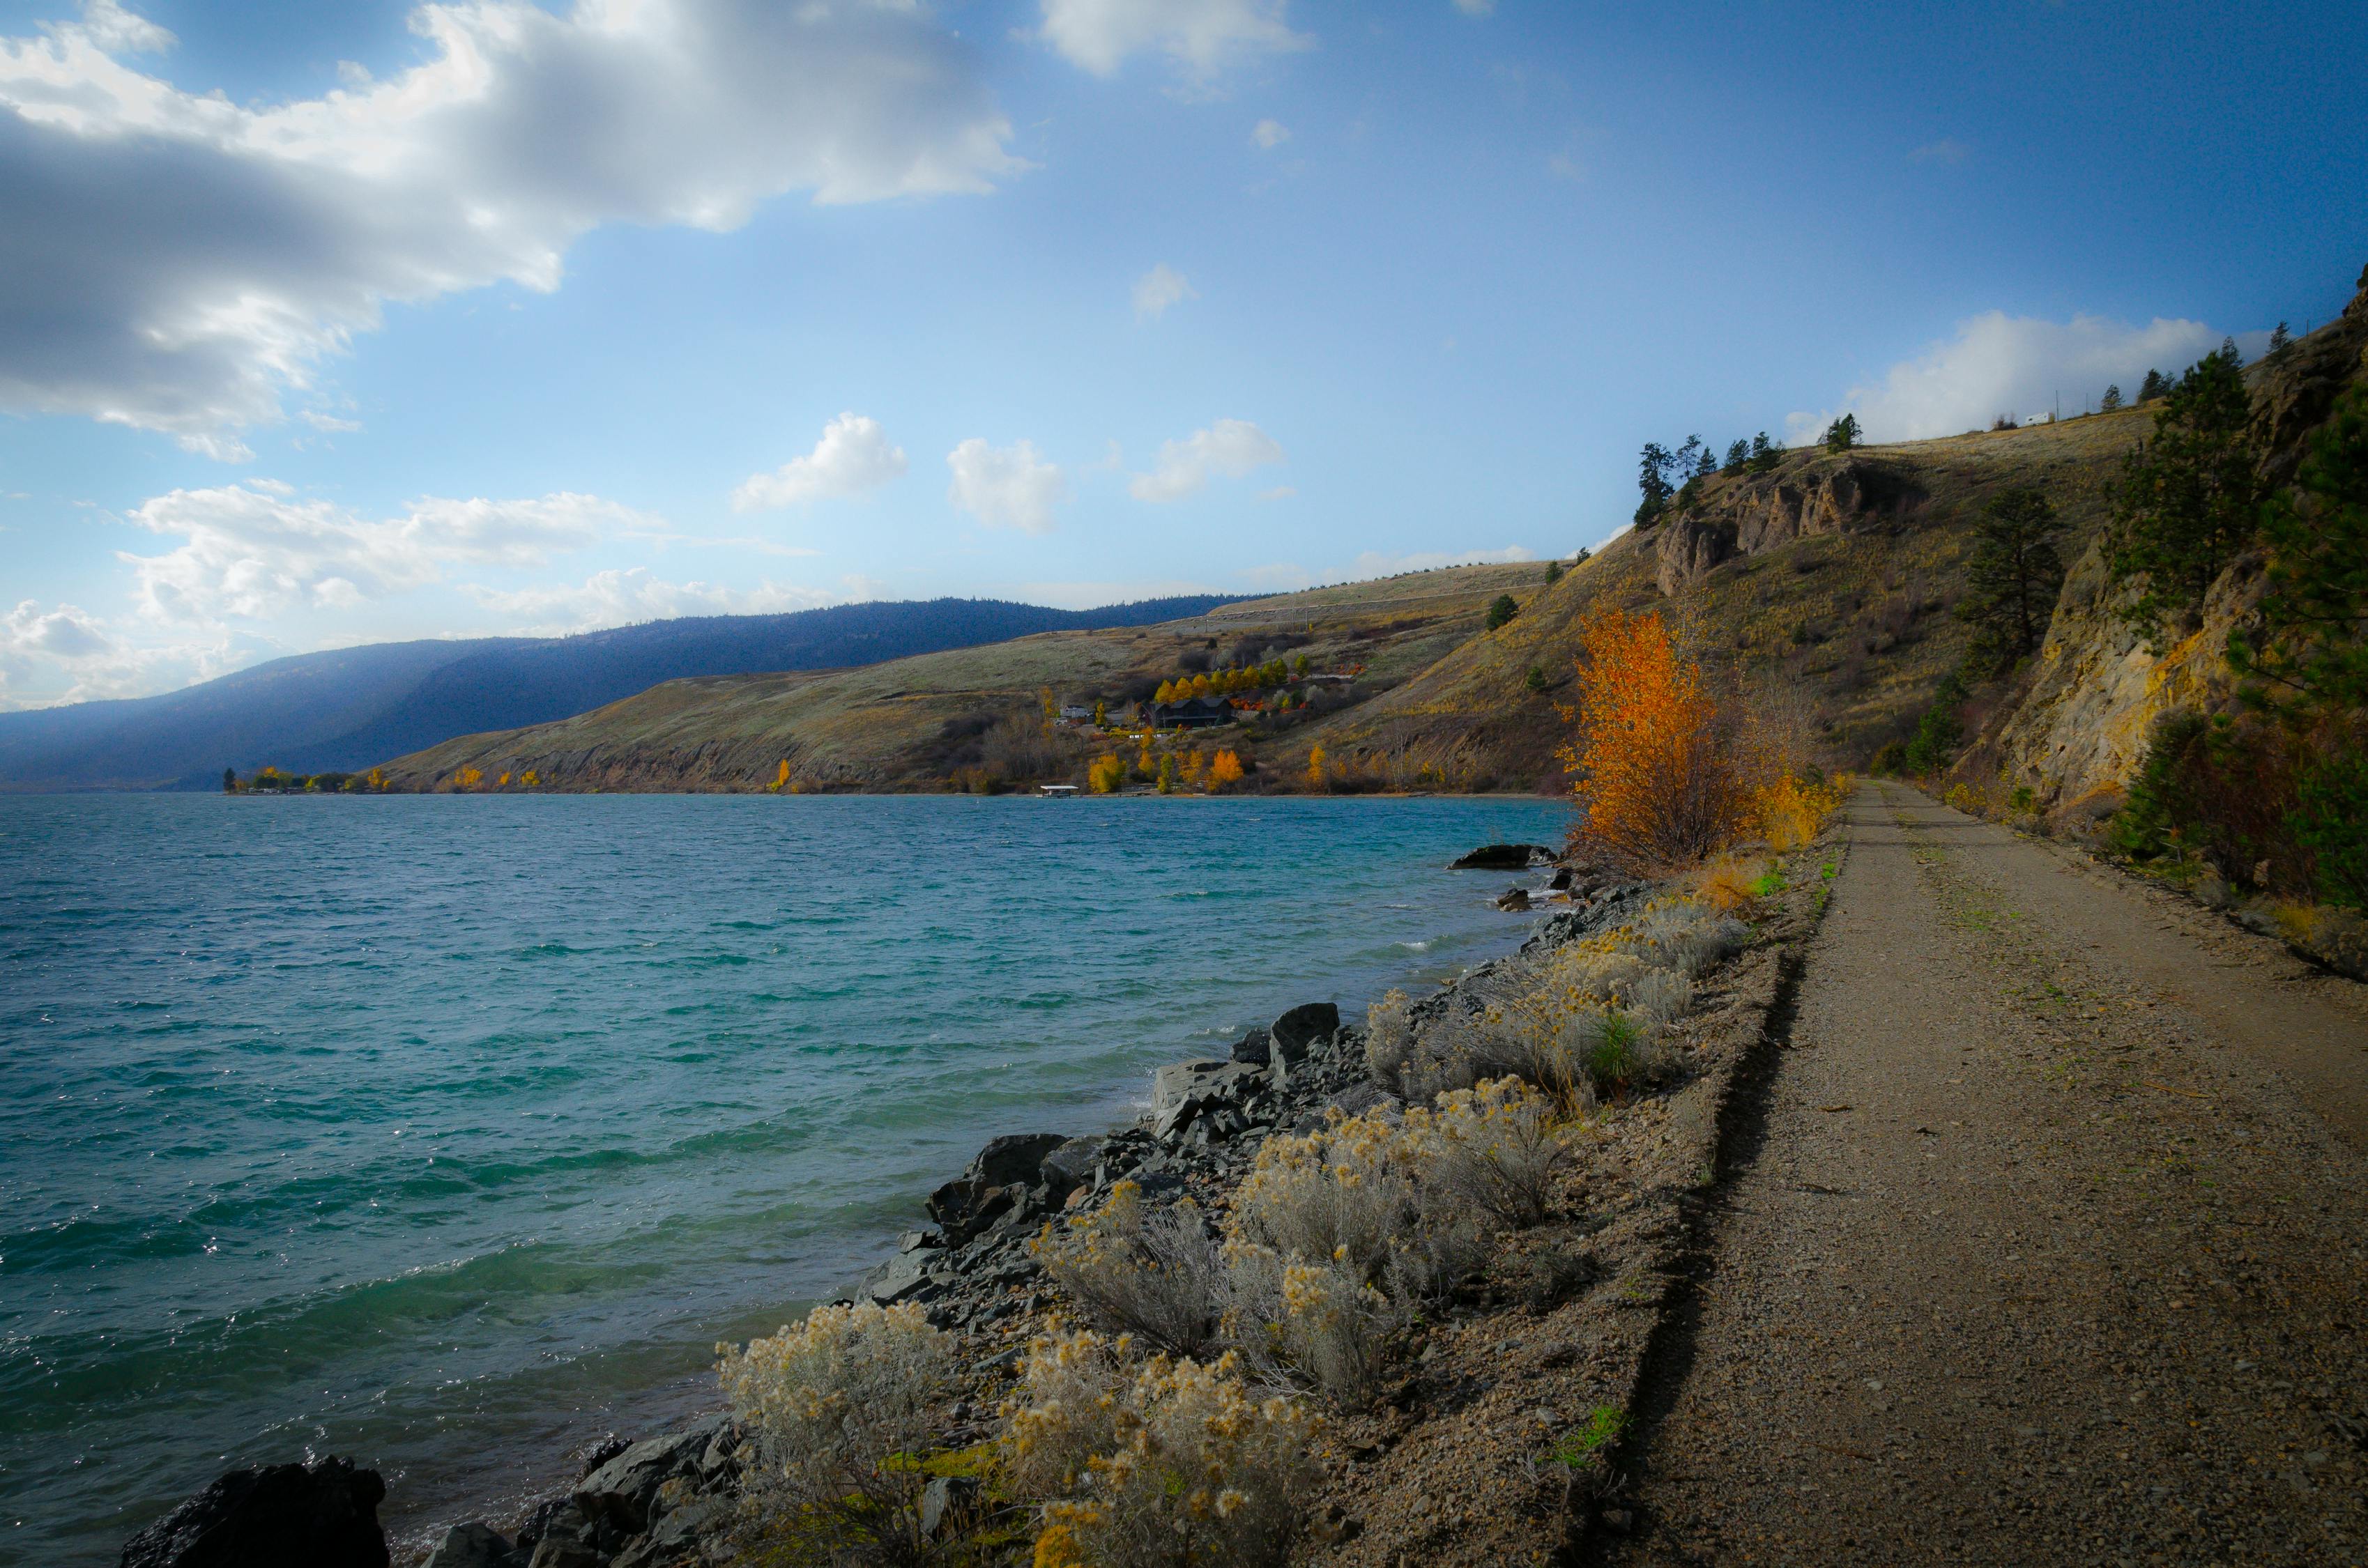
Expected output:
(331, 322)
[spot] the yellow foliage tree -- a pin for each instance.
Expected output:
(1201, 685)
(1194, 765)
(1315, 767)
(1224, 768)
(781, 776)
(1662, 782)
(1166, 692)
(468, 777)
(1106, 774)
(529, 778)
(502, 782)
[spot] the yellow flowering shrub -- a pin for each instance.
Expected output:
(1152, 1271)
(832, 1404)
(1793, 810)
(1176, 1461)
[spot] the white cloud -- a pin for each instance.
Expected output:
(1269, 134)
(2020, 365)
(199, 258)
(621, 596)
(1230, 446)
(854, 455)
(252, 551)
(1006, 486)
(1279, 577)
(1202, 37)
(65, 633)
(1161, 286)
(328, 423)
(1476, 7)
(1280, 492)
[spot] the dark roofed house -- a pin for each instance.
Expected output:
(1192, 713)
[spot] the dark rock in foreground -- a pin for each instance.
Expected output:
(323, 1514)
(1504, 857)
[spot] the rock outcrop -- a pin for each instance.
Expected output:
(323, 1514)
(1748, 516)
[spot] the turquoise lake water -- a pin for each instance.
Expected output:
(448, 1133)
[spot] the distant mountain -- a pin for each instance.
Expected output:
(353, 707)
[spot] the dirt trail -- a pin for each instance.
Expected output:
(2047, 1247)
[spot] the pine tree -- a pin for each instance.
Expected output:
(1739, 456)
(1765, 453)
(1501, 610)
(2310, 655)
(1553, 573)
(2280, 341)
(2011, 580)
(1842, 434)
(2157, 385)
(230, 780)
(2186, 503)
(1653, 479)
(2113, 400)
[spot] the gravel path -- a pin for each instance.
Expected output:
(2048, 1246)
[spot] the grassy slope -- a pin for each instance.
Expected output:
(1472, 717)
(877, 726)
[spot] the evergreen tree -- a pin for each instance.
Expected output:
(1842, 434)
(1652, 479)
(230, 780)
(2157, 385)
(2229, 352)
(1501, 610)
(1687, 457)
(2113, 400)
(1553, 573)
(1705, 464)
(2011, 580)
(2310, 654)
(1765, 453)
(2186, 504)
(1739, 456)
(2280, 341)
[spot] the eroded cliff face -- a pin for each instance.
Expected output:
(2078, 731)
(1749, 515)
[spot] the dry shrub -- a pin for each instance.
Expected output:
(1726, 886)
(1175, 1463)
(834, 1405)
(1501, 1147)
(1791, 810)
(1315, 1320)
(1352, 1192)
(1152, 1271)
(1661, 777)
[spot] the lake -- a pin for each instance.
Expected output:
(450, 1132)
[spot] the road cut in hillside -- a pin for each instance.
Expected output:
(2047, 1243)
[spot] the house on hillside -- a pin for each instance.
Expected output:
(1191, 713)
(1076, 713)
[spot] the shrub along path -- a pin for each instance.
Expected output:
(2047, 1244)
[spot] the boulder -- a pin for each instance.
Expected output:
(624, 1491)
(1513, 899)
(1196, 1083)
(901, 1279)
(1254, 1047)
(476, 1545)
(1006, 1167)
(1503, 858)
(1070, 1167)
(1013, 1158)
(323, 1514)
(945, 1501)
(675, 1538)
(1303, 1026)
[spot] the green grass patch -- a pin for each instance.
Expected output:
(1578, 1448)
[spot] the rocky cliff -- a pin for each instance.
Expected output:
(2075, 727)
(1752, 515)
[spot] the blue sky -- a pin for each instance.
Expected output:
(327, 324)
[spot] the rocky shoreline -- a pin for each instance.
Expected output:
(670, 1498)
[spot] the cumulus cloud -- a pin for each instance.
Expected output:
(177, 262)
(1269, 134)
(255, 550)
(1156, 289)
(2020, 365)
(1202, 37)
(1230, 446)
(853, 456)
(1006, 486)
(624, 595)
(65, 633)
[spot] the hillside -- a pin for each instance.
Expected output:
(914, 724)
(1829, 576)
(351, 707)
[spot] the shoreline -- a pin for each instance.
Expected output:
(980, 1289)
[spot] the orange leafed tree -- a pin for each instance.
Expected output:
(1224, 769)
(1659, 777)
